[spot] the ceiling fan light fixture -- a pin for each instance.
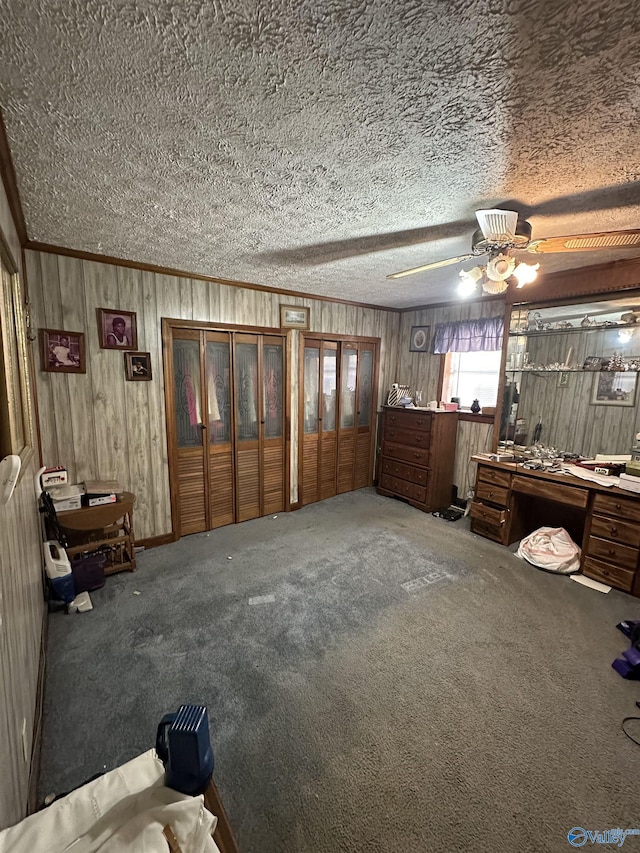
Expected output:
(500, 267)
(469, 281)
(493, 287)
(526, 273)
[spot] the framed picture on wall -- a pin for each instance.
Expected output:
(419, 340)
(117, 329)
(294, 317)
(611, 388)
(137, 366)
(62, 351)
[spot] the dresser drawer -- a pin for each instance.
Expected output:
(620, 531)
(406, 419)
(489, 492)
(494, 475)
(605, 549)
(411, 437)
(606, 573)
(618, 507)
(415, 455)
(488, 514)
(403, 488)
(404, 471)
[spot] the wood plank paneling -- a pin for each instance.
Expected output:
(121, 425)
(21, 603)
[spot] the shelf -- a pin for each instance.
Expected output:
(561, 370)
(534, 333)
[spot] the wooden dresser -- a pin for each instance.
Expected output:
(417, 454)
(510, 502)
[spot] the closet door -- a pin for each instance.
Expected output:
(347, 429)
(190, 432)
(310, 423)
(220, 428)
(272, 424)
(247, 415)
(363, 467)
(328, 451)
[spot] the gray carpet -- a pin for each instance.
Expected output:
(409, 686)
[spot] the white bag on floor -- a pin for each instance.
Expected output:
(124, 811)
(551, 548)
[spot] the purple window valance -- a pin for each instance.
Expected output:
(482, 335)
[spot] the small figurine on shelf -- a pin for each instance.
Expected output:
(586, 321)
(475, 407)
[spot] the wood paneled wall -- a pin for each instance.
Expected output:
(421, 372)
(100, 425)
(21, 614)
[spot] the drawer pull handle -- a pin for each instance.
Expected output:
(614, 531)
(417, 455)
(618, 506)
(612, 552)
(418, 438)
(605, 573)
(490, 493)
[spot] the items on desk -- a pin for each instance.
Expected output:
(57, 476)
(66, 497)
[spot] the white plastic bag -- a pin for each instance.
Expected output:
(551, 548)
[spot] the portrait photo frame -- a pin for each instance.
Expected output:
(137, 366)
(117, 329)
(615, 388)
(419, 339)
(17, 427)
(294, 317)
(62, 351)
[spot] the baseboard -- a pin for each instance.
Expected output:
(36, 741)
(156, 541)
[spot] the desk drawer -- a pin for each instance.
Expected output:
(488, 514)
(412, 437)
(489, 531)
(415, 455)
(489, 492)
(619, 531)
(610, 551)
(494, 475)
(618, 507)
(408, 420)
(571, 495)
(403, 488)
(606, 573)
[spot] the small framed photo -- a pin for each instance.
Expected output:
(294, 317)
(62, 352)
(611, 388)
(117, 329)
(137, 366)
(563, 379)
(419, 341)
(592, 362)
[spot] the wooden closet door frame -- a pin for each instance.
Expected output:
(374, 405)
(320, 337)
(168, 325)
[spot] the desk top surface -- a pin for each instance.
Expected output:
(565, 479)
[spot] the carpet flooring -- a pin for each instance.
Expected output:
(376, 679)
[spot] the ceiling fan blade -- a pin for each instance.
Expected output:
(497, 226)
(433, 266)
(586, 242)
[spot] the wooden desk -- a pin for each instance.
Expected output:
(511, 501)
(92, 527)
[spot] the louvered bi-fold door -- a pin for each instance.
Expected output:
(227, 427)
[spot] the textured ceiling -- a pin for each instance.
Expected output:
(318, 146)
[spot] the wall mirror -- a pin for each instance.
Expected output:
(571, 377)
(16, 414)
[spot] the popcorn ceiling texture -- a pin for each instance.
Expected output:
(319, 146)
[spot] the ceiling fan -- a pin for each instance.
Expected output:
(502, 232)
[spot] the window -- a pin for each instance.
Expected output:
(472, 376)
